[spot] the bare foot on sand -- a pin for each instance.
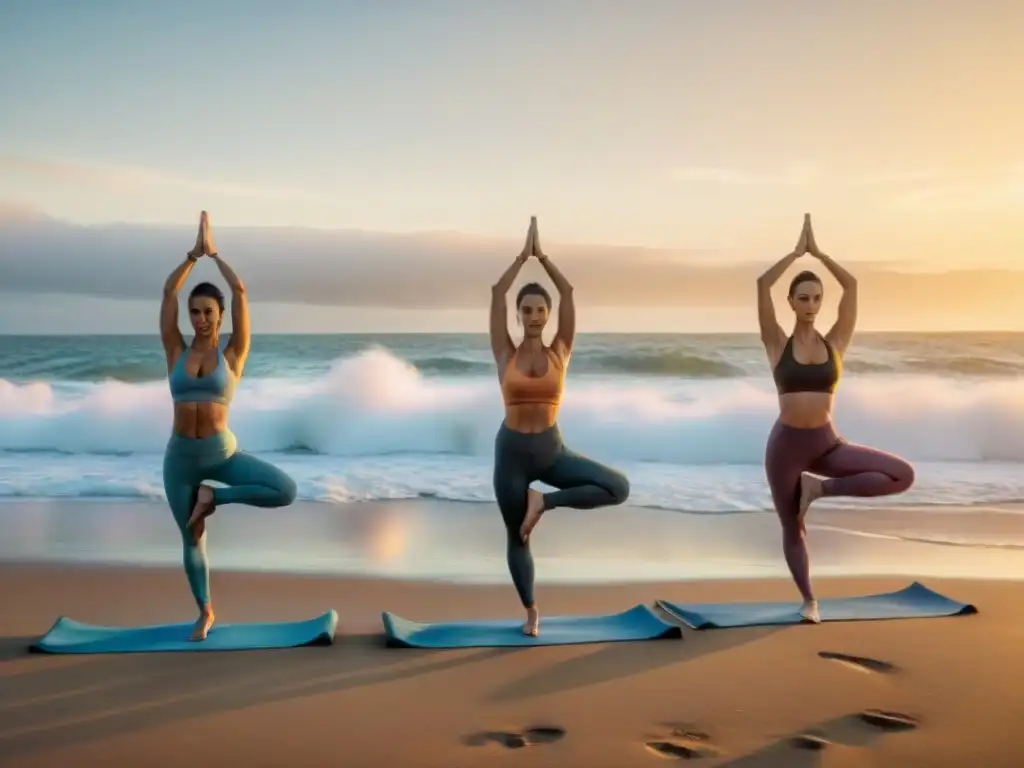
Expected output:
(203, 509)
(203, 624)
(532, 625)
(809, 612)
(534, 509)
(810, 491)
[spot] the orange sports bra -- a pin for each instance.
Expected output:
(519, 389)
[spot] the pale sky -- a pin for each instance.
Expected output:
(705, 129)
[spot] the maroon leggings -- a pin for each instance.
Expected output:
(850, 470)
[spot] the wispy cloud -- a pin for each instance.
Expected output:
(896, 177)
(739, 178)
(979, 193)
(902, 188)
(805, 175)
(128, 177)
(409, 271)
(11, 210)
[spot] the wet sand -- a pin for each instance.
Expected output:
(733, 697)
(466, 542)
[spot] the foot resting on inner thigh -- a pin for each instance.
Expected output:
(534, 510)
(203, 509)
(810, 491)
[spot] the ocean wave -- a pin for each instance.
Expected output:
(629, 363)
(137, 360)
(374, 403)
(672, 363)
(968, 366)
(695, 490)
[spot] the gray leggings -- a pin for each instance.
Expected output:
(520, 459)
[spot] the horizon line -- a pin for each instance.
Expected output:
(579, 334)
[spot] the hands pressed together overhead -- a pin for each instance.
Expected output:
(204, 239)
(806, 243)
(532, 245)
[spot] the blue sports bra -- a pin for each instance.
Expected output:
(216, 387)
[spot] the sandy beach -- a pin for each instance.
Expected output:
(731, 697)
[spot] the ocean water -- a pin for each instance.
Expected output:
(377, 417)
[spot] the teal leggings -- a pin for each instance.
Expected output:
(188, 462)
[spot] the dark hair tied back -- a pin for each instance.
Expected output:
(209, 291)
(804, 277)
(533, 289)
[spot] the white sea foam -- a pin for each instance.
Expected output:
(373, 427)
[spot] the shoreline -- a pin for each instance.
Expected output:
(463, 543)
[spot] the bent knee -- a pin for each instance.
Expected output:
(905, 475)
(619, 488)
(289, 491)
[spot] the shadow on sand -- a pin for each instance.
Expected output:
(621, 660)
(89, 698)
(809, 748)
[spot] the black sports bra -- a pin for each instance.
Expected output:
(791, 376)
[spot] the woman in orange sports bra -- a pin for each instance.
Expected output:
(806, 459)
(529, 446)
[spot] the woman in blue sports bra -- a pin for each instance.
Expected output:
(806, 459)
(202, 381)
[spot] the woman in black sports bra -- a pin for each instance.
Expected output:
(806, 458)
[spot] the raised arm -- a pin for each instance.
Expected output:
(772, 335)
(170, 333)
(841, 333)
(238, 344)
(501, 341)
(237, 349)
(562, 343)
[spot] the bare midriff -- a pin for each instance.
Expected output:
(199, 420)
(805, 410)
(532, 399)
(531, 418)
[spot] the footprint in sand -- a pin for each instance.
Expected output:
(529, 737)
(888, 721)
(860, 663)
(855, 730)
(682, 743)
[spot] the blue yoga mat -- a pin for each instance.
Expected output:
(913, 602)
(70, 636)
(638, 623)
